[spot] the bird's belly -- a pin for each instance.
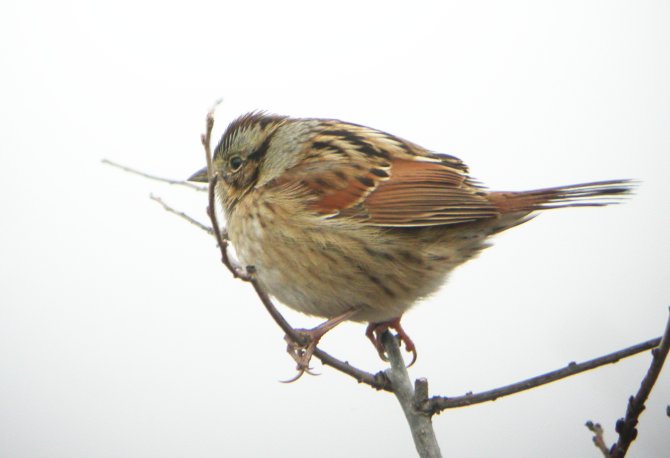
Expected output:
(321, 281)
(325, 271)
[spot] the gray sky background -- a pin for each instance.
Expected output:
(122, 335)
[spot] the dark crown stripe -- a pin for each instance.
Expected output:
(262, 150)
(244, 122)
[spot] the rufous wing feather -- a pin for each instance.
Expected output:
(404, 193)
(421, 193)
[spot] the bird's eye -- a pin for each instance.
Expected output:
(235, 163)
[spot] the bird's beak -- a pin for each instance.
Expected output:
(200, 176)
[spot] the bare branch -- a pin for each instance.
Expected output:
(598, 437)
(378, 381)
(419, 421)
(626, 427)
(439, 403)
(183, 183)
(182, 215)
(417, 406)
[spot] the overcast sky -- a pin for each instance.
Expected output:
(122, 335)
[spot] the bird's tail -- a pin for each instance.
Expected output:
(595, 194)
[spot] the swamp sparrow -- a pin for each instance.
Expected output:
(346, 222)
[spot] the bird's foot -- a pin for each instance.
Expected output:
(302, 349)
(374, 333)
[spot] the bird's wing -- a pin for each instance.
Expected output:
(351, 171)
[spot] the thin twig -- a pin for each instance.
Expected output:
(627, 427)
(439, 403)
(206, 140)
(598, 437)
(378, 381)
(125, 168)
(236, 270)
(419, 421)
(182, 215)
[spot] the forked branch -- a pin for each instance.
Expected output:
(378, 380)
(148, 176)
(440, 403)
(627, 427)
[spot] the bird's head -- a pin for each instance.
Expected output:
(254, 149)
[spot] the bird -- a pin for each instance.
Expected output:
(350, 223)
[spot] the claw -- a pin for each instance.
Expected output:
(298, 375)
(374, 333)
(294, 378)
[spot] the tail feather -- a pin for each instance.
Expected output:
(594, 194)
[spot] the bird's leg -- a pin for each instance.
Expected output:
(374, 333)
(302, 351)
